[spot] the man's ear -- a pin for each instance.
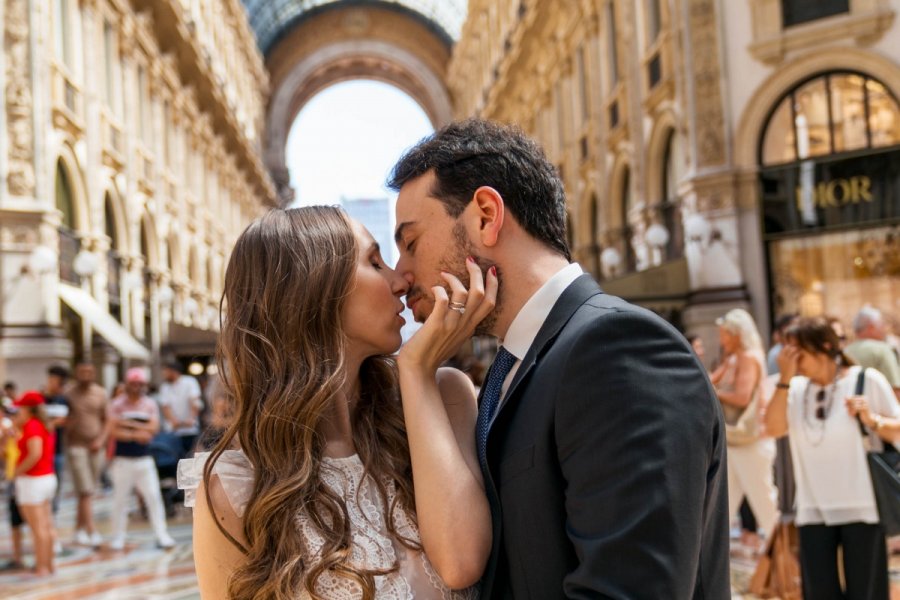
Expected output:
(490, 213)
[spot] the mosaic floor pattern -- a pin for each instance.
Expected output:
(144, 572)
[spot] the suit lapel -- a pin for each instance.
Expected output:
(573, 297)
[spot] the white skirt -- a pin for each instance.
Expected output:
(33, 490)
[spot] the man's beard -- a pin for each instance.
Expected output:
(455, 264)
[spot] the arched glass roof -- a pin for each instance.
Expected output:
(271, 18)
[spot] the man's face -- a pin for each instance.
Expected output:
(134, 389)
(170, 375)
(85, 374)
(431, 241)
(54, 384)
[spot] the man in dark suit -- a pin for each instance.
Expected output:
(600, 438)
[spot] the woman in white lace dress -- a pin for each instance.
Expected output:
(310, 493)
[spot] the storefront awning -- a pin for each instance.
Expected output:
(103, 323)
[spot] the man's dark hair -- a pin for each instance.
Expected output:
(59, 371)
(174, 365)
(9, 385)
(466, 155)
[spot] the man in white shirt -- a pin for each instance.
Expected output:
(599, 435)
(181, 401)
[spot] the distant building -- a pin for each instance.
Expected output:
(377, 215)
(129, 163)
(715, 154)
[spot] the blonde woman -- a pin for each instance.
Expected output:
(738, 382)
(310, 493)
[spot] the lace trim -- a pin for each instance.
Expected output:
(372, 546)
(234, 471)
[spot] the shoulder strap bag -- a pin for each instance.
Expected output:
(883, 467)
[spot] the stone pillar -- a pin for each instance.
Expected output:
(711, 220)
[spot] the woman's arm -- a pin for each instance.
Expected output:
(215, 556)
(35, 447)
(877, 409)
(745, 381)
(439, 408)
(776, 416)
(451, 507)
(716, 376)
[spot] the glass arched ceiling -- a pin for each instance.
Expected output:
(272, 18)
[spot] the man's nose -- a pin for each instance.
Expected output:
(404, 268)
(399, 284)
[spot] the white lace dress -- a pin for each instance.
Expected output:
(373, 547)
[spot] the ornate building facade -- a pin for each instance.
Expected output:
(130, 160)
(716, 154)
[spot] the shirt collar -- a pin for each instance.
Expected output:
(531, 317)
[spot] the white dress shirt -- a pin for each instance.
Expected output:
(531, 317)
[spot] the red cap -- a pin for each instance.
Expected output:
(30, 398)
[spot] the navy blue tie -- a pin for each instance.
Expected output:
(490, 399)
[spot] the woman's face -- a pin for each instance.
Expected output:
(730, 342)
(21, 417)
(371, 316)
(814, 365)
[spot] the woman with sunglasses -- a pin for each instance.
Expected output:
(816, 402)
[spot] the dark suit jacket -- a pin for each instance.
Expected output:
(607, 462)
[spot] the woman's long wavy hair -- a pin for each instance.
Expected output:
(282, 357)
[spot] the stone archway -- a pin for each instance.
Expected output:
(347, 42)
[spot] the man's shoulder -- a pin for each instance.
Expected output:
(605, 310)
(868, 348)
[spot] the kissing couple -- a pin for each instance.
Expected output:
(590, 465)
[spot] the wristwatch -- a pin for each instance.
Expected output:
(879, 421)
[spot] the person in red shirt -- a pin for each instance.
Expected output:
(34, 475)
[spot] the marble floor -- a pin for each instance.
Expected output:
(144, 572)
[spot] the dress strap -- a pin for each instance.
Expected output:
(234, 471)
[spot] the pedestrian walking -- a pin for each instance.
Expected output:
(181, 401)
(132, 422)
(85, 439)
(35, 480)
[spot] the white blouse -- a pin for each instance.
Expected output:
(373, 547)
(833, 482)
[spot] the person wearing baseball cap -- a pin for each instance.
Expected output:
(132, 422)
(35, 478)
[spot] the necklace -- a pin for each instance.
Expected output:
(815, 415)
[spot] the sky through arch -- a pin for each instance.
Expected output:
(347, 138)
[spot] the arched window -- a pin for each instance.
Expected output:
(673, 163)
(210, 275)
(69, 243)
(113, 261)
(63, 22)
(594, 233)
(630, 260)
(830, 114)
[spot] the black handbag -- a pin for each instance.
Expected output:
(883, 468)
